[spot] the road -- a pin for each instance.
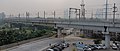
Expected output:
(38, 45)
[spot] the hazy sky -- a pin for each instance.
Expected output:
(21, 6)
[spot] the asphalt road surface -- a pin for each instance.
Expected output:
(38, 45)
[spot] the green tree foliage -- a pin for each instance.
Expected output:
(8, 36)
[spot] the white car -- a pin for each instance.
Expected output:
(98, 46)
(103, 46)
(114, 47)
(87, 49)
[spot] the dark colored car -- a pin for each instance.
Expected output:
(92, 47)
(59, 47)
(56, 49)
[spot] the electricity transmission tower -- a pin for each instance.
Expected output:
(82, 9)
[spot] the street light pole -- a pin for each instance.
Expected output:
(114, 11)
(54, 14)
(106, 10)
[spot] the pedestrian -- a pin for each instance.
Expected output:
(50, 45)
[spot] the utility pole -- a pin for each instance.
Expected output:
(27, 16)
(92, 15)
(10, 17)
(69, 13)
(114, 11)
(106, 10)
(54, 14)
(19, 17)
(19, 20)
(38, 15)
(44, 14)
(102, 13)
(79, 14)
(76, 13)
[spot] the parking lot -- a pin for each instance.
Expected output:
(72, 39)
(72, 47)
(107, 50)
(85, 41)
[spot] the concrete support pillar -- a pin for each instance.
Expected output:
(75, 33)
(58, 33)
(84, 33)
(107, 39)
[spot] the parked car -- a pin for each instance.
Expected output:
(87, 48)
(49, 50)
(92, 47)
(98, 46)
(74, 44)
(114, 47)
(103, 46)
(60, 48)
(65, 45)
(56, 49)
